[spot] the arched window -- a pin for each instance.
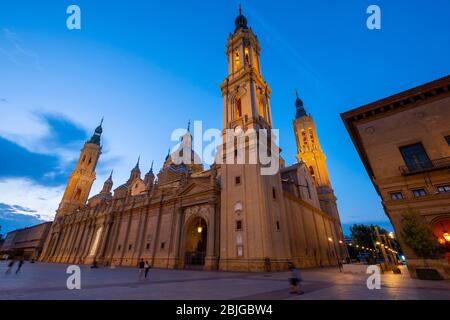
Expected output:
(311, 135)
(247, 56)
(237, 60)
(311, 170)
(238, 107)
(262, 109)
(84, 158)
(305, 142)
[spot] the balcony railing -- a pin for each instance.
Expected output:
(443, 163)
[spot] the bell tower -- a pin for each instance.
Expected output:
(310, 152)
(308, 146)
(83, 176)
(253, 218)
(247, 102)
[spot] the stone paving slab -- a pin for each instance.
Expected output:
(41, 281)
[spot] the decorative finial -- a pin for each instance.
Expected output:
(189, 126)
(137, 164)
(240, 8)
(151, 167)
(110, 176)
(101, 122)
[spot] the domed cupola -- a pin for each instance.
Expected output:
(301, 112)
(241, 21)
(95, 139)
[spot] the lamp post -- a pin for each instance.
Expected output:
(383, 251)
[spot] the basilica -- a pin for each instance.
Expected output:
(228, 217)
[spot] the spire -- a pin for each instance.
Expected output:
(189, 126)
(168, 154)
(137, 164)
(95, 139)
(136, 172)
(107, 186)
(149, 177)
(301, 112)
(241, 20)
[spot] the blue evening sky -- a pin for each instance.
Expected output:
(150, 66)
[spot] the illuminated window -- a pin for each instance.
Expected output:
(396, 195)
(237, 61)
(247, 56)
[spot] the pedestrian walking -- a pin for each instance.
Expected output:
(21, 262)
(295, 279)
(10, 266)
(141, 269)
(147, 269)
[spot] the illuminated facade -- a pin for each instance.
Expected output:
(228, 217)
(404, 143)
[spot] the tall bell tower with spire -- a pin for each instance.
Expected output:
(83, 176)
(310, 152)
(308, 146)
(253, 221)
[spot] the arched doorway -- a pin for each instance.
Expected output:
(195, 243)
(441, 230)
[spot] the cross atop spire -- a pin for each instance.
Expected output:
(189, 126)
(240, 9)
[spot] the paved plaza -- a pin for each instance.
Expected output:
(48, 281)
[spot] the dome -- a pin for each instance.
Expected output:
(99, 129)
(241, 21)
(301, 112)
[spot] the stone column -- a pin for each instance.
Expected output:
(211, 257)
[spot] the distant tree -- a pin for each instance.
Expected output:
(418, 235)
(365, 235)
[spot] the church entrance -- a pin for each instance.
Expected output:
(195, 250)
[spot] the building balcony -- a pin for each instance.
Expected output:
(431, 165)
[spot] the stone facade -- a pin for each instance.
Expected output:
(404, 142)
(29, 241)
(228, 217)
